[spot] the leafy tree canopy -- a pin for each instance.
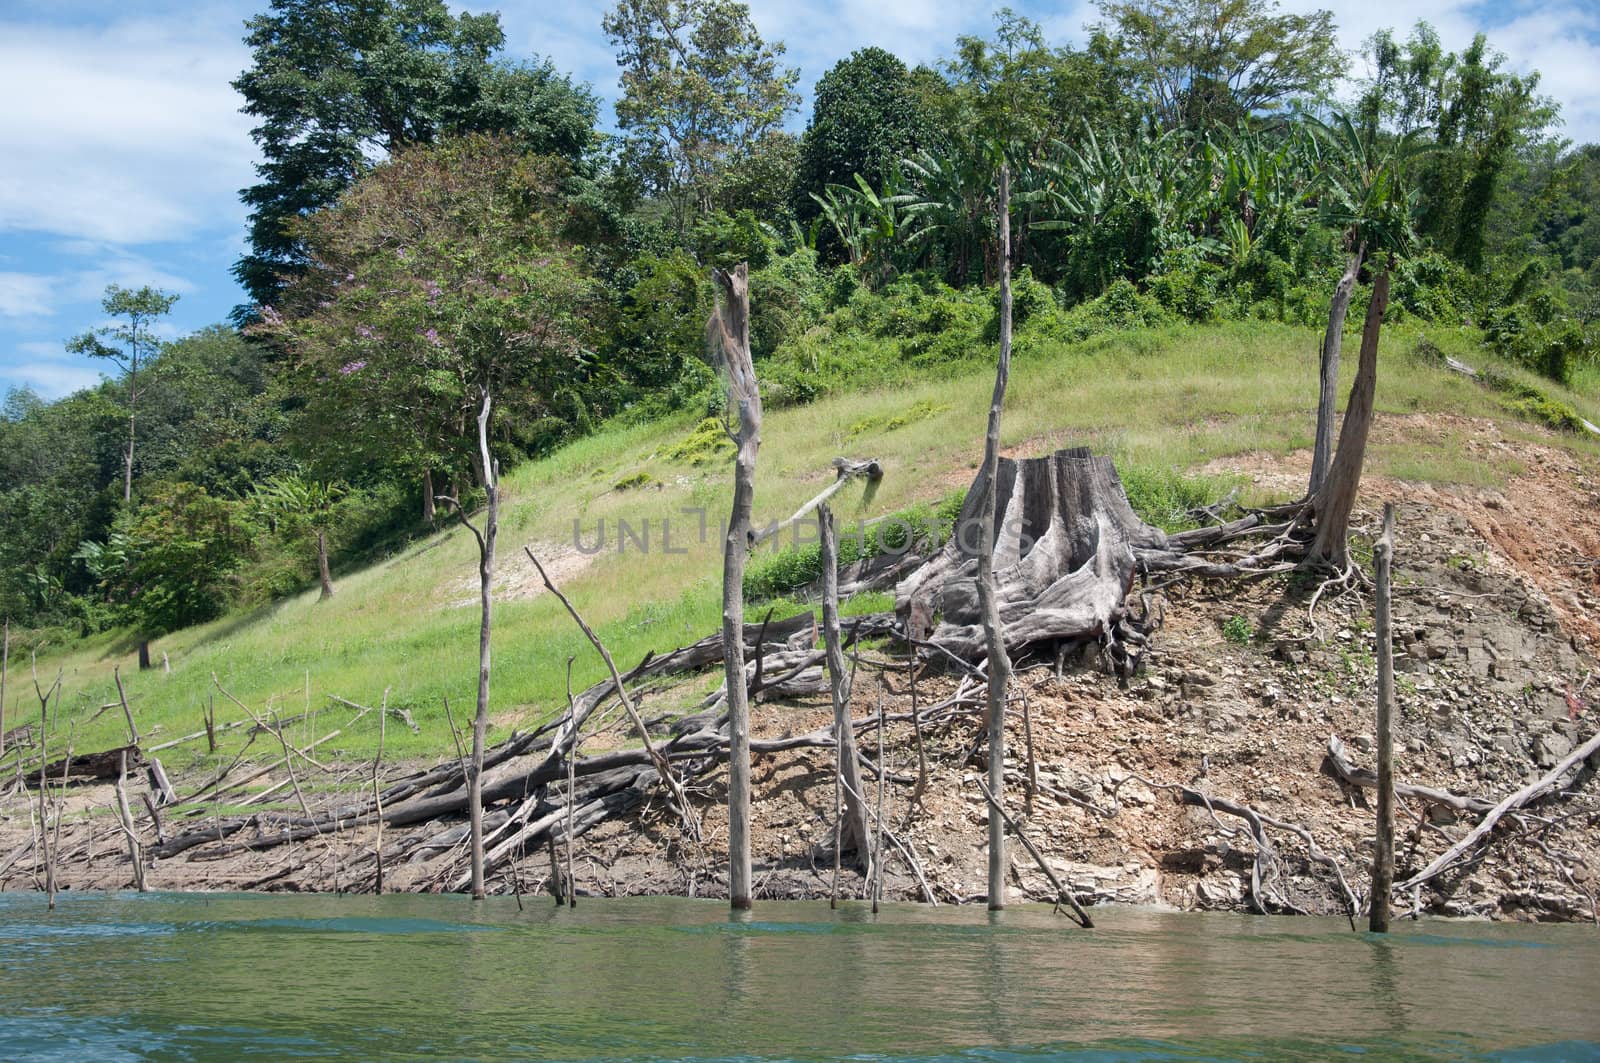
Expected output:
(336, 83)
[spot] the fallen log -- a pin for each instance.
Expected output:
(1511, 803)
(1342, 769)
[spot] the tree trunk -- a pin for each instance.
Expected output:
(1383, 858)
(854, 829)
(729, 332)
(480, 721)
(1338, 495)
(1332, 345)
(322, 565)
(144, 655)
(988, 593)
(427, 496)
(5, 669)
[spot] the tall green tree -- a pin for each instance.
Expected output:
(866, 116)
(1210, 62)
(336, 83)
(440, 276)
(130, 341)
(700, 90)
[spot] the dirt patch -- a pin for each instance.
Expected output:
(515, 578)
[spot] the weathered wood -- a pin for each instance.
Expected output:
(728, 333)
(5, 672)
(1339, 761)
(845, 470)
(106, 764)
(125, 817)
(1062, 893)
(994, 642)
(1511, 803)
(680, 800)
(1337, 498)
(1383, 856)
(1065, 559)
(1328, 370)
(852, 828)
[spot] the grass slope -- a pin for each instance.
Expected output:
(1157, 400)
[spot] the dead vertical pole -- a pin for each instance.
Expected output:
(133, 732)
(999, 663)
(5, 668)
(480, 721)
(854, 828)
(1383, 859)
(211, 723)
(377, 795)
(729, 334)
(126, 817)
(1328, 371)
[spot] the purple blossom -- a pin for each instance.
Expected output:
(364, 332)
(271, 316)
(432, 336)
(352, 367)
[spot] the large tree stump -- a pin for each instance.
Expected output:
(1065, 559)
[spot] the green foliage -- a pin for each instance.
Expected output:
(1237, 630)
(1165, 497)
(1534, 404)
(706, 443)
(700, 88)
(1215, 62)
(438, 277)
(331, 79)
(788, 570)
(866, 115)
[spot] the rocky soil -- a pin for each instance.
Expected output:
(1497, 612)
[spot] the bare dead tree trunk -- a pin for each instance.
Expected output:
(377, 796)
(322, 565)
(126, 818)
(427, 496)
(5, 670)
(853, 827)
(1328, 395)
(988, 595)
(1338, 495)
(480, 721)
(144, 654)
(729, 333)
(1383, 858)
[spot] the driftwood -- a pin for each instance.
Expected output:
(1521, 799)
(1062, 893)
(1339, 764)
(106, 764)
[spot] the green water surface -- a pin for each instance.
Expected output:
(227, 976)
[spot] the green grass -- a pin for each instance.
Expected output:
(1161, 401)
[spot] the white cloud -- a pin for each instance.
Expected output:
(130, 131)
(25, 295)
(49, 370)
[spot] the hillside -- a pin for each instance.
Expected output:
(1194, 400)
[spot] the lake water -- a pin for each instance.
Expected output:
(193, 976)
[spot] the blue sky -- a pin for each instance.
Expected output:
(122, 150)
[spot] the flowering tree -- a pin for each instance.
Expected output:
(440, 277)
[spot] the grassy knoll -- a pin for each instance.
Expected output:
(1157, 399)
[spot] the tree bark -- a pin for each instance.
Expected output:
(853, 827)
(322, 565)
(1383, 858)
(1332, 345)
(480, 721)
(5, 670)
(729, 332)
(427, 496)
(144, 655)
(1338, 495)
(988, 593)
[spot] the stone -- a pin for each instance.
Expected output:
(1550, 748)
